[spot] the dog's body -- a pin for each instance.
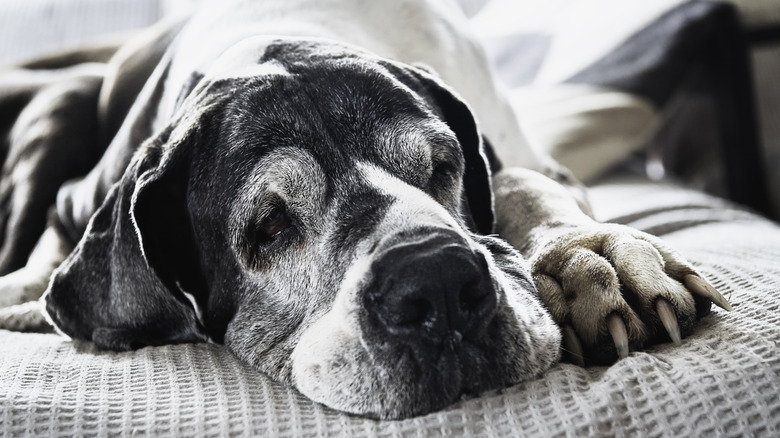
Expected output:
(295, 181)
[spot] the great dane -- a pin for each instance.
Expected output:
(312, 184)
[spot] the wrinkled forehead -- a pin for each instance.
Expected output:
(337, 115)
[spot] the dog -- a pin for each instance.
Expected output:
(338, 192)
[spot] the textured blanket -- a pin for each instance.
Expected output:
(724, 380)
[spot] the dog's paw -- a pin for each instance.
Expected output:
(21, 287)
(27, 317)
(613, 289)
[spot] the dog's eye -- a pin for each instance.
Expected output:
(272, 230)
(444, 181)
(443, 173)
(274, 224)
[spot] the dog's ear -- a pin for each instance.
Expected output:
(126, 284)
(477, 202)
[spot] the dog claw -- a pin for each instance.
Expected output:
(669, 320)
(699, 286)
(571, 344)
(617, 328)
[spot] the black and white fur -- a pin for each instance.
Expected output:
(308, 183)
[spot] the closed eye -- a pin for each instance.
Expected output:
(443, 170)
(448, 162)
(445, 175)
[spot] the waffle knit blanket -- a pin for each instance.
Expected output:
(723, 381)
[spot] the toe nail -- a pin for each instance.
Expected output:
(617, 328)
(699, 286)
(571, 343)
(669, 320)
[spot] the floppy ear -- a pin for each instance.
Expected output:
(477, 204)
(124, 285)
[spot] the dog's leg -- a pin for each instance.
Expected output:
(20, 290)
(27, 317)
(28, 283)
(48, 121)
(599, 281)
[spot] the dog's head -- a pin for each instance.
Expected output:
(325, 214)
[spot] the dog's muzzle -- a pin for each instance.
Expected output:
(423, 317)
(428, 291)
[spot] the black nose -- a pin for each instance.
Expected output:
(433, 289)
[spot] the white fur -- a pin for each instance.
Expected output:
(412, 206)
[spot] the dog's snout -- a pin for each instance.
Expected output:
(431, 290)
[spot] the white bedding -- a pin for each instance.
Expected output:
(724, 380)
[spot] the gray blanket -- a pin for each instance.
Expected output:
(724, 380)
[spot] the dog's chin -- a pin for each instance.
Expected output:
(333, 366)
(390, 390)
(384, 392)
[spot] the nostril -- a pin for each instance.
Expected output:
(407, 312)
